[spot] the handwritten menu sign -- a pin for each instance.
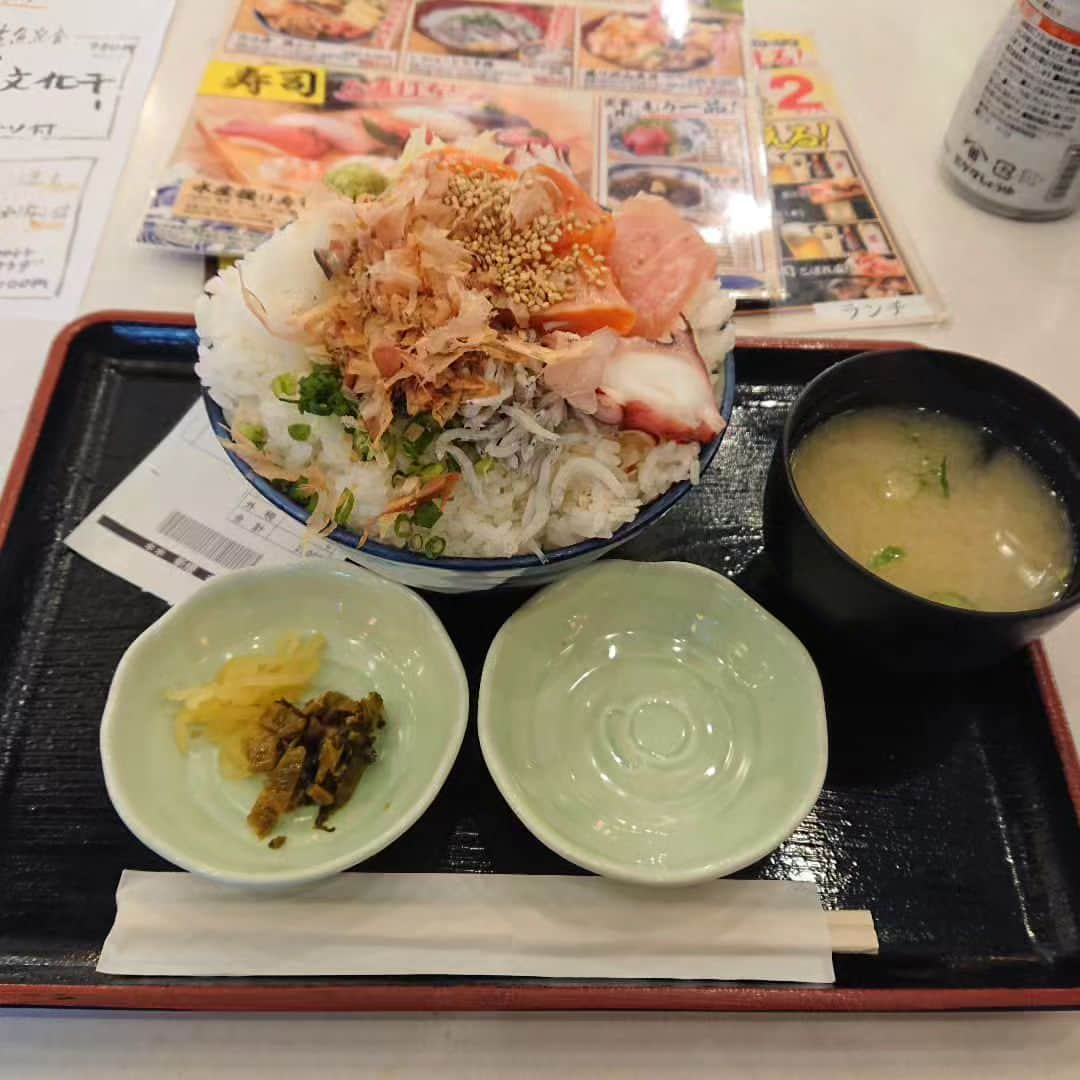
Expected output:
(67, 90)
(72, 78)
(39, 211)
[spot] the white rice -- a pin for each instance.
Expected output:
(558, 478)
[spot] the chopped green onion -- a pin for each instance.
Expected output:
(321, 393)
(300, 432)
(416, 542)
(402, 526)
(389, 445)
(435, 546)
(361, 443)
(415, 447)
(299, 492)
(286, 387)
(485, 465)
(426, 514)
(943, 476)
(884, 556)
(953, 599)
(254, 433)
(345, 507)
(429, 472)
(419, 434)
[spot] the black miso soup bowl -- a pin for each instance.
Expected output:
(853, 607)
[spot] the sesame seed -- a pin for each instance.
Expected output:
(519, 260)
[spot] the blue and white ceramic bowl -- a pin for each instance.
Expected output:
(459, 575)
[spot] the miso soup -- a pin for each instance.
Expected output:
(937, 506)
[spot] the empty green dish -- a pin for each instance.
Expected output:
(650, 722)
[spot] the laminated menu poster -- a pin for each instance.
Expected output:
(700, 156)
(834, 243)
(247, 156)
(265, 129)
(842, 261)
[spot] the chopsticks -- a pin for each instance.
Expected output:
(852, 932)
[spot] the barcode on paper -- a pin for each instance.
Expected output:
(206, 541)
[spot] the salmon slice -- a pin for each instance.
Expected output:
(592, 225)
(592, 307)
(659, 261)
(298, 142)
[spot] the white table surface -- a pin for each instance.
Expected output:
(1010, 288)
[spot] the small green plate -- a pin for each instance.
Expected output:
(379, 636)
(650, 722)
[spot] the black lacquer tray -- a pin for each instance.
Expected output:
(950, 807)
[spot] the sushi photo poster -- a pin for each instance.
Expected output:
(260, 136)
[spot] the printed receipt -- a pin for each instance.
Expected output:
(186, 515)
(72, 81)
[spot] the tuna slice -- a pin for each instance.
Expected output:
(659, 261)
(648, 140)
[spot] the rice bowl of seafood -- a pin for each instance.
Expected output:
(475, 375)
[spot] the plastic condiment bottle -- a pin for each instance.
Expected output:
(1013, 146)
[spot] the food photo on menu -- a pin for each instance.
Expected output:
(463, 606)
(242, 168)
(834, 243)
(646, 50)
(329, 32)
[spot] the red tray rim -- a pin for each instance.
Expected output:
(519, 996)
